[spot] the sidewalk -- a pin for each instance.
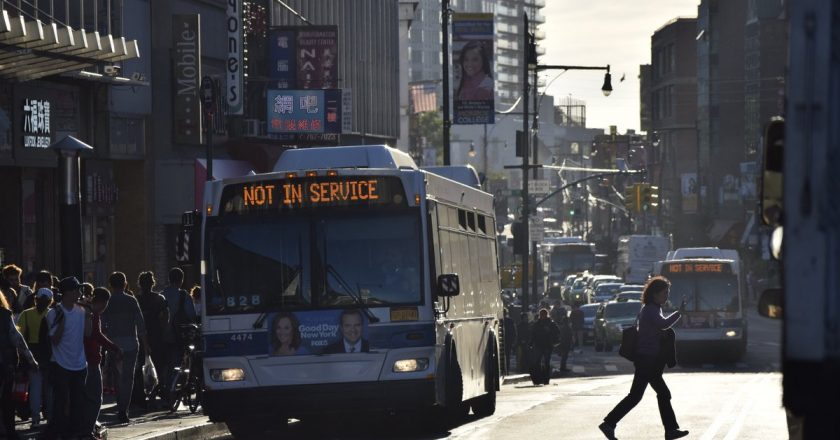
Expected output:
(154, 425)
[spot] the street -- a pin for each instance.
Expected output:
(713, 399)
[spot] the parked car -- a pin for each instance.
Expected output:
(589, 321)
(605, 292)
(628, 296)
(611, 319)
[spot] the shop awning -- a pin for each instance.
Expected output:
(32, 49)
(222, 169)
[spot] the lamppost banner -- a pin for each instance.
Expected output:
(472, 44)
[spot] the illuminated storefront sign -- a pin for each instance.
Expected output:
(304, 111)
(36, 123)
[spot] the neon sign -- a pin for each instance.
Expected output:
(698, 268)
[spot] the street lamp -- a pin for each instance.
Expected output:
(471, 153)
(607, 88)
(69, 209)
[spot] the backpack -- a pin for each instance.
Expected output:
(43, 352)
(180, 318)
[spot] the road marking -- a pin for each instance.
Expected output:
(735, 429)
(727, 409)
(610, 367)
(577, 369)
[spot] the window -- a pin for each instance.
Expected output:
(462, 219)
(482, 224)
(471, 221)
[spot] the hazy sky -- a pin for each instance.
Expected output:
(601, 32)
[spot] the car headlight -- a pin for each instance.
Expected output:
(731, 333)
(555, 284)
(411, 365)
(227, 374)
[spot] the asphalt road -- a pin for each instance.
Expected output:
(713, 397)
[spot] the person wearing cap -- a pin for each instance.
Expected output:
(29, 324)
(11, 343)
(68, 324)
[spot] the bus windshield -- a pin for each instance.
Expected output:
(306, 262)
(705, 292)
(567, 259)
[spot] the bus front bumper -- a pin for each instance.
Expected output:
(290, 401)
(722, 334)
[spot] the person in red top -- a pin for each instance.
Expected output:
(93, 352)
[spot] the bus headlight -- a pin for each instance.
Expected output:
(410, 365)
(227, 374)
(731, 333)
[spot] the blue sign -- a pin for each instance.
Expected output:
(282, 67)
(303, 111)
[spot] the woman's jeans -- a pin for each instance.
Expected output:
(40, 392)
(648, 371)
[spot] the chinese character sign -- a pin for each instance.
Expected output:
(472, 43)
(304, 111)
(36, 123)
(282, 60)
(303, 57)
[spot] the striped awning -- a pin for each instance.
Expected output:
(32, 49)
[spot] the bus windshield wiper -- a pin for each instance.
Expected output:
(274, 299)
(357, 298)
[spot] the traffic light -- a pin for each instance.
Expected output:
(520, 242)
(648, 197)
(631, 198)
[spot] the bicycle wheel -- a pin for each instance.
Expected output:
(176, 391)
(193, 395)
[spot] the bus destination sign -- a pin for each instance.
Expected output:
(312, 192)
(698, 268)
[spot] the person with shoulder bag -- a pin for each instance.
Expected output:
(649, 359)
(11, 343)
(544, 336)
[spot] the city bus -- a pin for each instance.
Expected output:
(566, 258)
(348, 279)
(714, 318)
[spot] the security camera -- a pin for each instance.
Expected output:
(112, 70)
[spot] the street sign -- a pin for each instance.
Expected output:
(538, 187)
(536, 230)
(207, 93)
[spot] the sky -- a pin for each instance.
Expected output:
(601, 32)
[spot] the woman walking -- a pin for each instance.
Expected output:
(649, 362)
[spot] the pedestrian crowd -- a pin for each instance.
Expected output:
(532, 341)
(64, 343)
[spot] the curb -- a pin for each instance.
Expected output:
(207, 430)
(516, 378)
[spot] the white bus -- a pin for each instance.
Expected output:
(714, 319)
(348, 280)
(637, 255)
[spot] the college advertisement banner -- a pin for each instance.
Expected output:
(474, 92)
(303, 111)
(304, 57)
(186, 44)
(318, 332)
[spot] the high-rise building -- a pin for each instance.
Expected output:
(672, 114)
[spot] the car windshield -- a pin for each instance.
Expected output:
(607, 289)
(307, 262)
(622, 310)
(589, 310)
(705, 292)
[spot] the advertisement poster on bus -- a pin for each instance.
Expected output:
(303, 111)
(318, 332)
(472, 60)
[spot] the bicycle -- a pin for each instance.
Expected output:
(186, 384)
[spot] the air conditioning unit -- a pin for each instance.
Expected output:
(251, 127)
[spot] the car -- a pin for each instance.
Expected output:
(598, 279)
(611, 319)
(631, 287)
(628, 296)
(567, 285)
(605, 292)
(589, 321)
(578, 294)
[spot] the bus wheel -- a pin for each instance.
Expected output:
(456, 408)
(485, 405)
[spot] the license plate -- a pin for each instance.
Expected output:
(404, 314)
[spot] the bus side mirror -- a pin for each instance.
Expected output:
(448, 285)
(771, 176)
(770, 303)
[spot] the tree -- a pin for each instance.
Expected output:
(428, 125)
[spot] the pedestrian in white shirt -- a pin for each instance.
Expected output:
(68, 324)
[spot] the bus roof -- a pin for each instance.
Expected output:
(359, 156)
